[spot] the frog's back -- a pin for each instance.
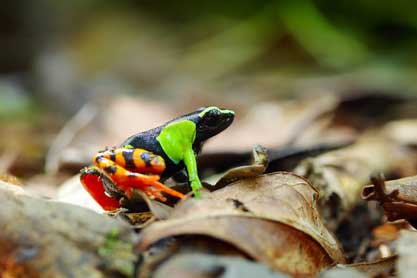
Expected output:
(145, 140)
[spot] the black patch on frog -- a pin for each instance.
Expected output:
(99, 158)
(111, 169)
(128, 156)
(112, 155)
(146, 158)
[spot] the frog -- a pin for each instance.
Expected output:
(146, 159)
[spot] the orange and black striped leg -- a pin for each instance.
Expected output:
(149, 184)
(126, 180)
(92, 180)
(156, 189)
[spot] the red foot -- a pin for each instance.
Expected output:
(93, 184)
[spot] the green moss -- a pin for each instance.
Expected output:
(117, 254)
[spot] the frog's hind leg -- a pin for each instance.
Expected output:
(158, 187)
(126, 179)
(92, 180)
(155, 193)
(152, 188)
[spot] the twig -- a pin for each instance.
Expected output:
(381, 193)
(81, 119)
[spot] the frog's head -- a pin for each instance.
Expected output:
(211, 121)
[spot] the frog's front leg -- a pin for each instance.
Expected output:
(191, 165)
(125, 167)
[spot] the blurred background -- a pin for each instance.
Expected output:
(107, 69)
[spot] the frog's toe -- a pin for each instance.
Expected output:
(153, 192)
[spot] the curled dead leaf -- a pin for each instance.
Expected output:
(257, 168)
(272, 218)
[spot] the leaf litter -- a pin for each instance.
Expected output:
(310, 221)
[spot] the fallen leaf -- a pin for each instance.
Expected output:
(256, 168)
(272, 218)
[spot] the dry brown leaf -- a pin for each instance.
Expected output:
(256, 168)
(272, 218)
(340, 175)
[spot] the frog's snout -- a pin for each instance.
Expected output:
(228, 118)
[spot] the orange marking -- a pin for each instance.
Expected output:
(120, 160)
(137, 159)
(157, 162)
